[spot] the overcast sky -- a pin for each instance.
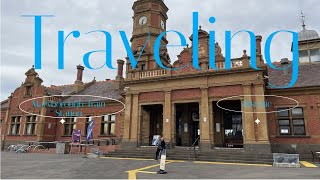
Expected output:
(17, 40)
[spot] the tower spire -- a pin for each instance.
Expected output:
(303, 19)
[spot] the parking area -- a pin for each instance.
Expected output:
(54, 166)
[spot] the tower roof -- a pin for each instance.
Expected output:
(306, 34)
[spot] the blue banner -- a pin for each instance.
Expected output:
(89, 130)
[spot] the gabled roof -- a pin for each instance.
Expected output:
(100, 88)
(5, 104)
(60, 90)
(309, 75)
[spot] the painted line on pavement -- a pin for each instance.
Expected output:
(132, 174)
(307, 164)
(147, 172)
(226, 163)
(135, 159)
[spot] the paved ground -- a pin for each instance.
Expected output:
(73, 166)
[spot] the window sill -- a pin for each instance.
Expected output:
(292, 136)
(29, 135)
(13, 135)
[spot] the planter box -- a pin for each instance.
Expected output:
(286, 160)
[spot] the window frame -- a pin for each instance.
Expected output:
(72, 123)
(109, 123)
(143, 67)
(33, 123)
(28, 91)
(309, 56)
(311, 60)
(15, 123)
(291, 119)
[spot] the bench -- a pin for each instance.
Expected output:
(315, 155)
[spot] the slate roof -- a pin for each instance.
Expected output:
(309, 75)
(100, 88)
(58, 90)
(5, 104)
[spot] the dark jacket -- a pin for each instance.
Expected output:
(161, 145)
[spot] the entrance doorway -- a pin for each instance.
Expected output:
(228, 124)
(152, 123)
(187, 124)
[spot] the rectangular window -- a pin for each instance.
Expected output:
(28, 90)
(304, 56)
(69, 126)
(15, 125)
(108, 125)
(31, 122)
(143, 67)
(291, 122)
(315, 55)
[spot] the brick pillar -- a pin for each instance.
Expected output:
(127, 118)
(134, 118)
(248, 121)
(41, 122)
(212, 123)
(262, 127)
(204, 121)
(5, 126)
(167, 121)
(255, 135)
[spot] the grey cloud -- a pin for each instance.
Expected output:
(262, 17)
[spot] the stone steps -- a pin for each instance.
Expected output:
(212, 156)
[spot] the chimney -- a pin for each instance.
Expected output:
(259, 60)
(258, 44)
(80, 72)
(78, 84)
(118, 83)
(284, 61)
(120, 67)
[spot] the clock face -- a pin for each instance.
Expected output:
(162, 24)
(143, 20)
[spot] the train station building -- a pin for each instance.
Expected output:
(207, 108)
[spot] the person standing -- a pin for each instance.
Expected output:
(161, 145)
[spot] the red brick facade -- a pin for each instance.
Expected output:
(311, 111)
(49, 129)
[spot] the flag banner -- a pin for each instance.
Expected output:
(89, 130)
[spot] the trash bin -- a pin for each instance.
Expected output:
(62, 148)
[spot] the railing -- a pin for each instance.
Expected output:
(234, 64)
(170, 142)
(237, 63)
(153, 73)
(194, 148)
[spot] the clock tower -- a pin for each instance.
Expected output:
(150, 17)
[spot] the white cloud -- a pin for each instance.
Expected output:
(262, 17)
